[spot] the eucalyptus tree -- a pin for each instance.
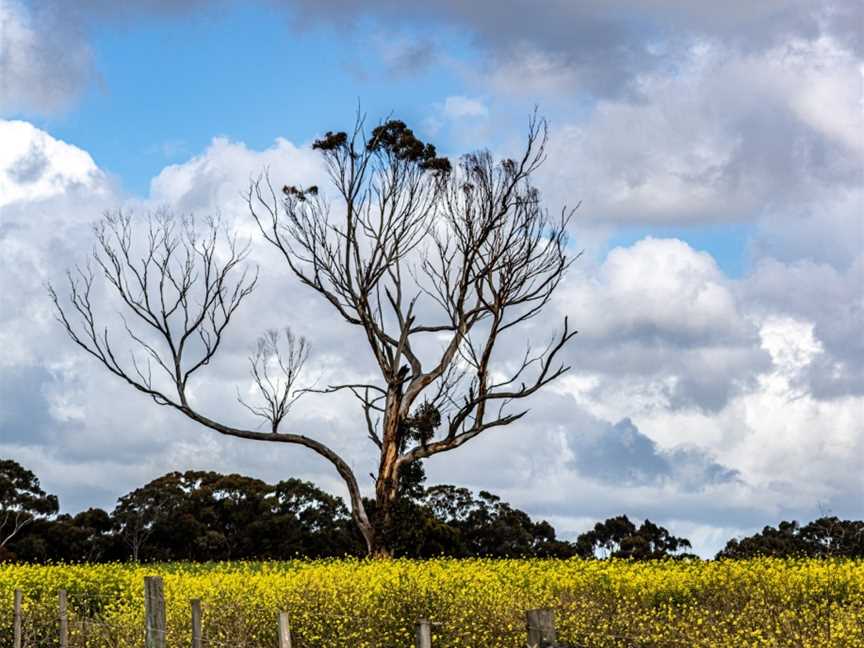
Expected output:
(407, 248)
(22, 500)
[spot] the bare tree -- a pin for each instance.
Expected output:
(415, 252)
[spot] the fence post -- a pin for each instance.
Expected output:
(284, 631)
(196, 624)
(541, 628)
(16, 630)
(64, 620)
(423, 634)
(154, 607)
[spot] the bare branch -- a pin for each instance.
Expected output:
(275, 369)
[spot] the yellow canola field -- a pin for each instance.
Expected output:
(475, 603)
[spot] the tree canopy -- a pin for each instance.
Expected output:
(22, 500)
(618, 537)
(823, 538)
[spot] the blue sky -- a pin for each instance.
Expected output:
(169, 86)
(717, 151)
(163, 88)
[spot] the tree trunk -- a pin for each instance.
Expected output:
(387, 481)
(375, 529)
(381, 551)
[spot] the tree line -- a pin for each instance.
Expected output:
(204, 515)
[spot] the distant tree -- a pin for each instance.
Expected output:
(305, 521)
(823, 538)
(199, 515)
(618, 537)
(491, 527)
(137, 513)
(87, 536)
(418, 251)
(187, 516)
(451, 521)
(830, 537)
(22, 500)
(204, 515)
(228, 508)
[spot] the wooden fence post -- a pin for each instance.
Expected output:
(154, 608)
(196, 624)
(284, 631)
(541, 629)
(64, 620)
(16, 629)
(423, 634)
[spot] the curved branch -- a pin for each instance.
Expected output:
(358, 510)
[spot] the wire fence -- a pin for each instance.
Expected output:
(38, 627)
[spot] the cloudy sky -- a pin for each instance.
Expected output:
(717, 151)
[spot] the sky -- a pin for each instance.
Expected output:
(716, 151)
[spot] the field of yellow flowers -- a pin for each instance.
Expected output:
(476, 603)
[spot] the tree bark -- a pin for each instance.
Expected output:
(387, 480)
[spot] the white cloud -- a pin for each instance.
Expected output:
(60, 422)
(776, 335)
(712, 372)
(462, 121)
(462, 107)
(725, 137)
(660, 327)
(35, 166)
(655, 287)
(797, 450)
(220, 175)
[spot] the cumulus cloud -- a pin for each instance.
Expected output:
(44, 183)
(777, 426)
(663, 325)
(218, 178)
(656, 288)
(831, 302)
(776, 429)
(36, 166)
(726, 137)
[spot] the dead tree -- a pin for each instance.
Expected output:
(411, 251)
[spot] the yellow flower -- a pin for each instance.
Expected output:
(474, 603)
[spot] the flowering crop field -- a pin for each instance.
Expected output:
(475, 603)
